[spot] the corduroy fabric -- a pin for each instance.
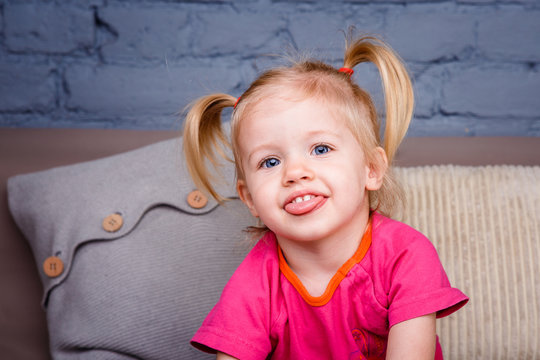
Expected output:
(485, 224)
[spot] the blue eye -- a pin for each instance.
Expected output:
(271, 162)
(321, 149)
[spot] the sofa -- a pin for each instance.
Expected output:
(121, 289)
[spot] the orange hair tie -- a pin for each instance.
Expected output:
(346, 71)
(236, 103)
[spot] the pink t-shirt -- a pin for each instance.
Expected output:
(395, 275)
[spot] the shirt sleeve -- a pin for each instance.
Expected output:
(417, 282)
(239, 324)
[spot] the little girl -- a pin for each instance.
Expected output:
(333, 277)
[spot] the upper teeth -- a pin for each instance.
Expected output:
(302, 198)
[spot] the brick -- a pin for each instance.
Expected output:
(534, 129)
(318, 31)
(34, 120)
(367, 77)
(492, 91)
(146, 33)
(85, 3)
(477, 1)
(391, 1)
(48, 28)
(126, 91)
(26, 88)
(1, 21)
(427, 91)
(525, 2)
(510, 35)
(504, 127)
(228, 32)
(383, 1)
(323, 31)
(439, 125)
(429, 35)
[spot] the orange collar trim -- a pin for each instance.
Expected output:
(365, 243)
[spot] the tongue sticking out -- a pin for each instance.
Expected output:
(304, 207)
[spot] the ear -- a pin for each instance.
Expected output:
(245, 196)
(377, 169)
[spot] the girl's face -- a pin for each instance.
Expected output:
(305, 174)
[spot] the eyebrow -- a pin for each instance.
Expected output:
(309, 133)
(257, 148)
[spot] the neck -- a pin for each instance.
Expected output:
(316, 262)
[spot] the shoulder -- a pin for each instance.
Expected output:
(399, 254)
(258, 270)
(393, 237)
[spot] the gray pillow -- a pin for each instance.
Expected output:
(137, 284)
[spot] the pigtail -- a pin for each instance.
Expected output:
(204, 140)
(397, 87)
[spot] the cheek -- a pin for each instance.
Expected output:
(350, 170)
(352, 182)
(253, 187)
(261, 191)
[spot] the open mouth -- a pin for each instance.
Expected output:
(304, 204)
(300, 199)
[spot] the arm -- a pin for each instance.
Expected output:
(222, 356)
(412, 339)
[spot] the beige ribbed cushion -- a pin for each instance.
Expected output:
(485, 224)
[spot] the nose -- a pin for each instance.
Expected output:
(296, 170)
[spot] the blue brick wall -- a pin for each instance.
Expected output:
(135, 64)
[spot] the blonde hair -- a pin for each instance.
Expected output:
(204, 138)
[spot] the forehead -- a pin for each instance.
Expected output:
(284, 123)
(308, 112)
(338, 111)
